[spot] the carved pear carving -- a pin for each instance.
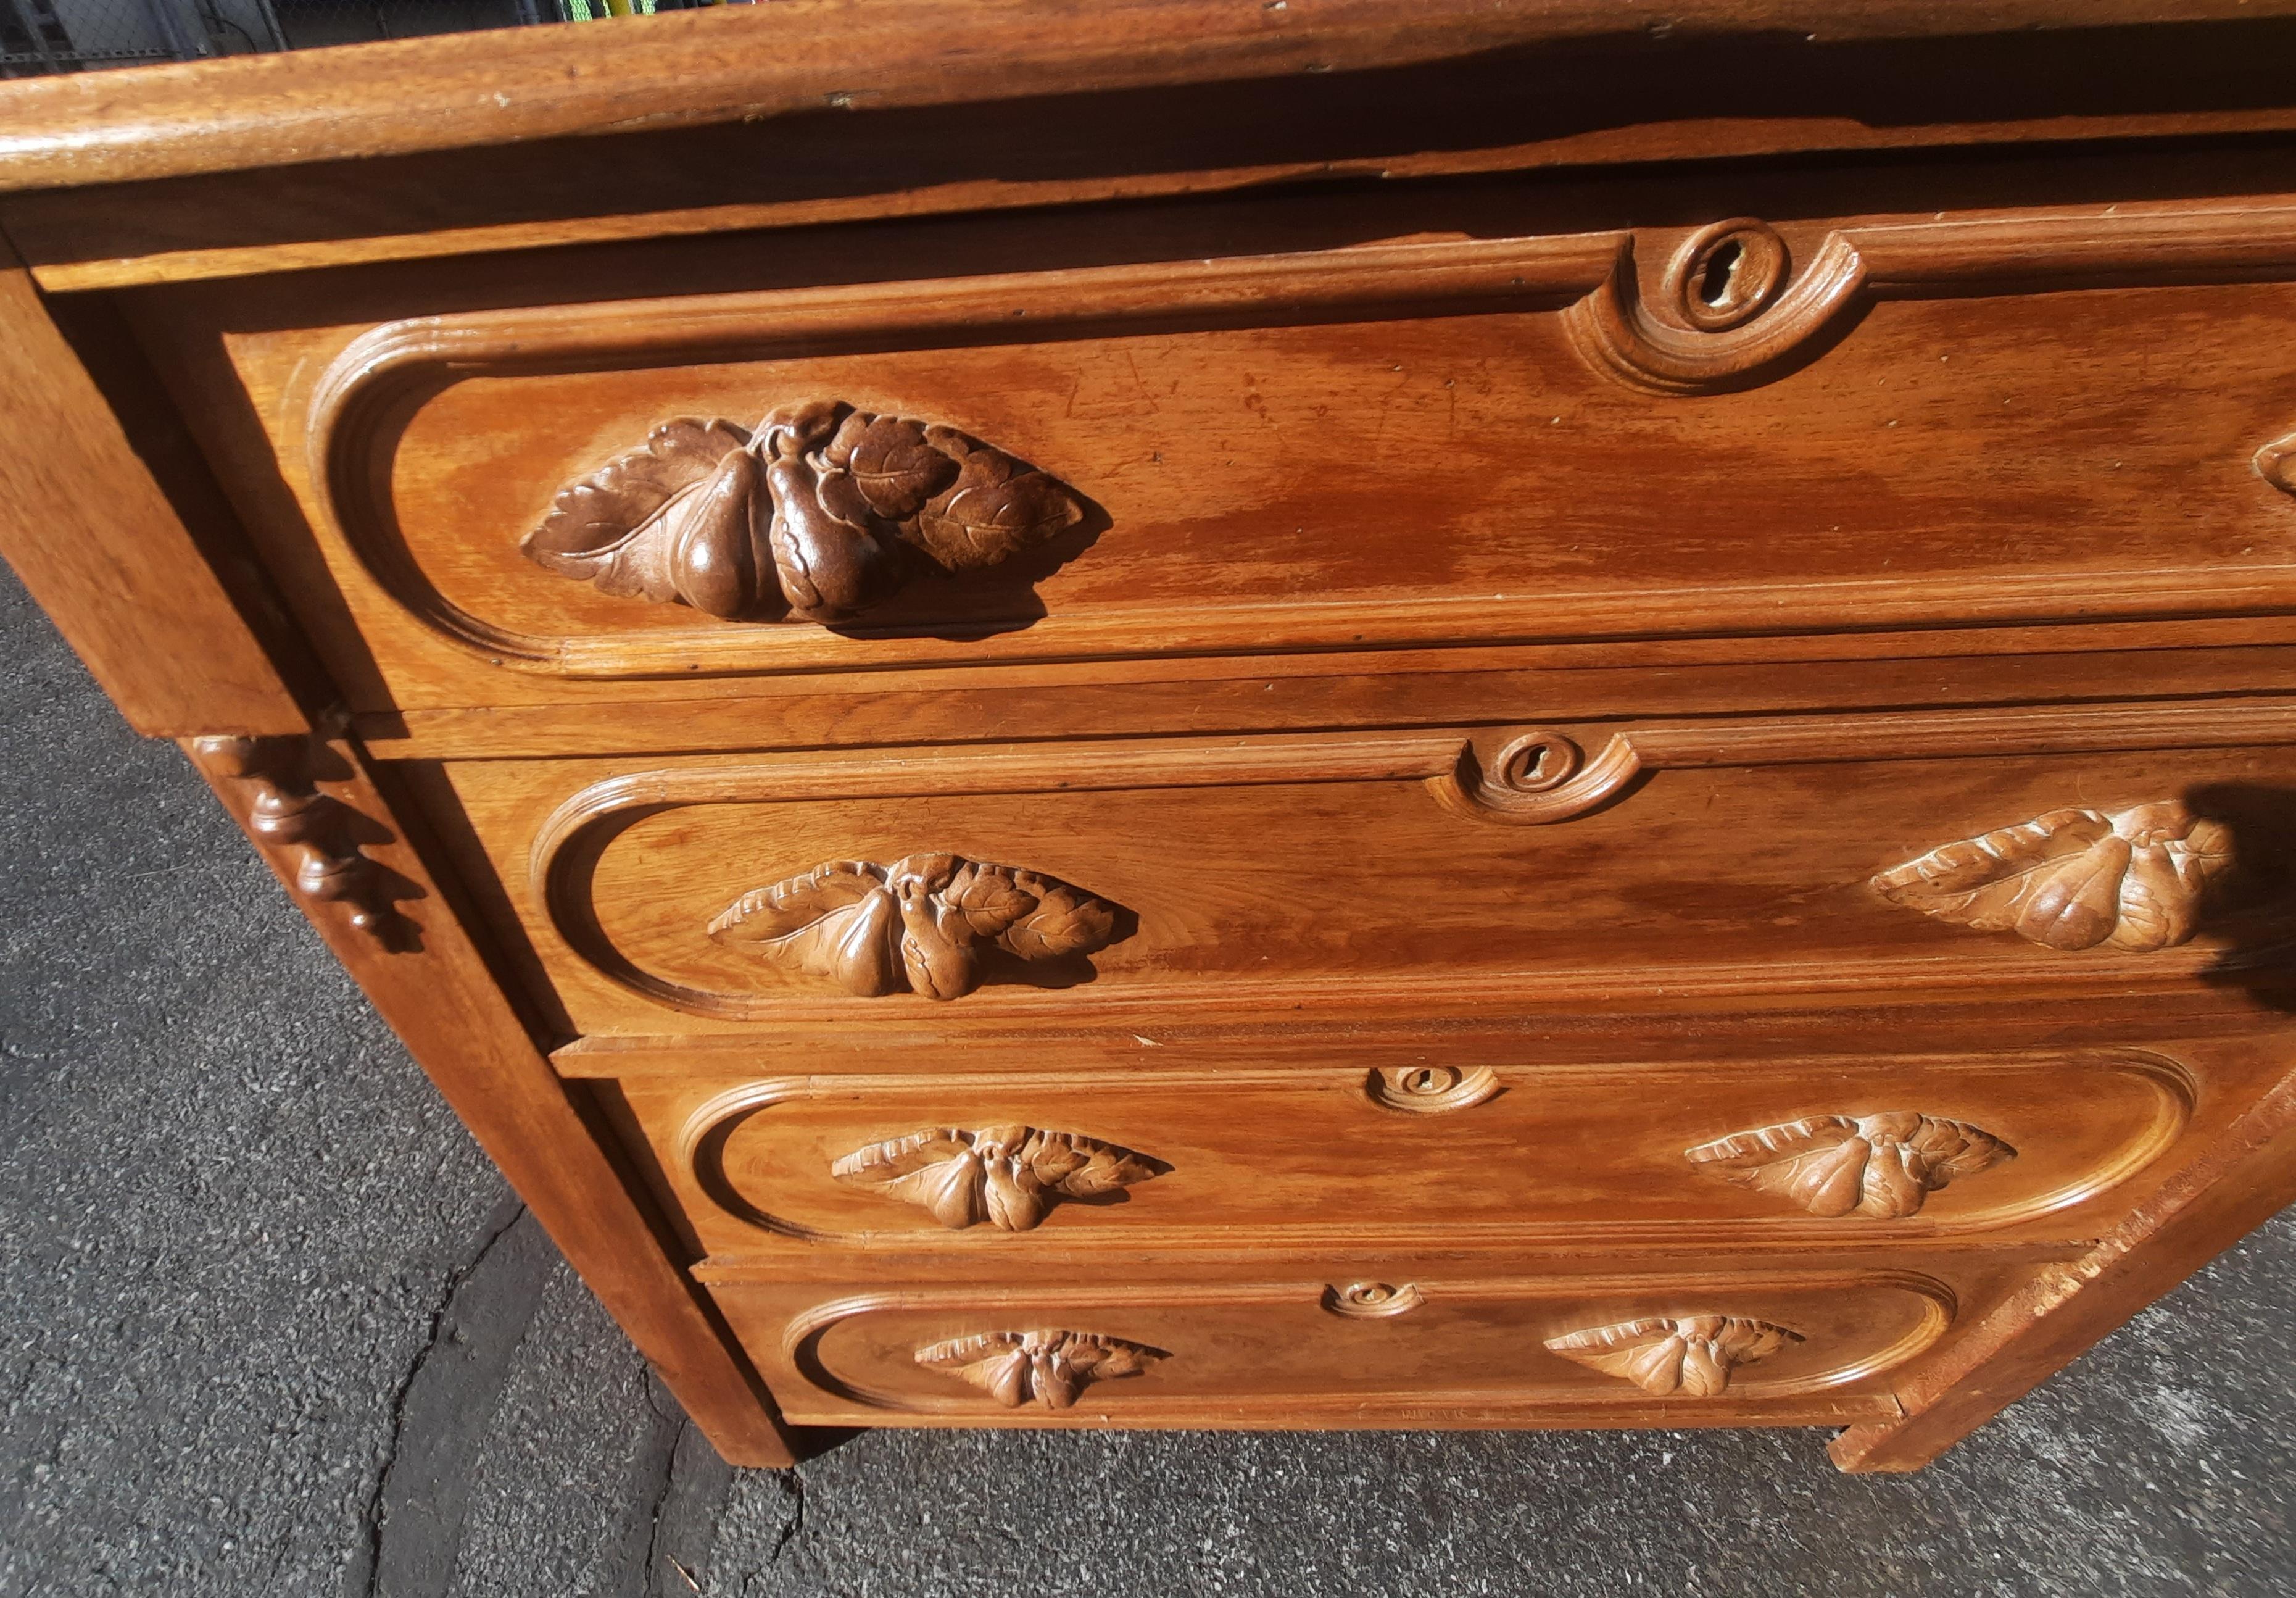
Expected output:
(818, 513)
(919, 923)
(1051, 1367)
(1665, 1354)
(1881, 1166)
(1008, 1176)
(2074, 878)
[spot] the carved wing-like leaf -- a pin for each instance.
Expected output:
(936, 1169)
(1008, 1176)
(1083, 1167)
(2073, 879)
(838, 920)
(992, 508)
(1879, 1167)
(1664, 1354)
(918, 923)
(1050, 1366)
(667, 521)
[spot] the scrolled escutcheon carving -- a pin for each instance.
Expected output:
(1727, 273)
(1373, 1301)
(1538, 778)
(1665, 1354)
(1046, 1366)
(921, 923)
(819, 514)
(2075, 878)
(1431, 1089)
(1881, 1166)
(1006, 1176)
(1729, 309)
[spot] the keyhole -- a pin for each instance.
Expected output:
(1429, 1079)
(1721, 267)
(1726, 274)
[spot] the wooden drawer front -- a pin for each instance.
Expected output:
(1138, 885)
(1386, 1344)
(1808, 1152)
(1427, 443)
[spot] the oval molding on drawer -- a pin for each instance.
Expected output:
(1268, 1348)
(420, 429)
(1303, 1158)
(632, 869)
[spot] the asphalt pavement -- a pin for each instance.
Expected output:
(269, 1323)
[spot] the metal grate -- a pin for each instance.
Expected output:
(73, 36)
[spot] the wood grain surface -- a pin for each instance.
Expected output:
(437, 93)
(1342, 873)
(1266, 1351)
(1596, 1154)
(1514, 714)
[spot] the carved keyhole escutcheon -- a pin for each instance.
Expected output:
(1726, 274)
(1537, 763)
(1431, 1089)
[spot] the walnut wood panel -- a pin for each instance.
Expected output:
(1635, 99)
(1530, 1154)
(1518, 460)
(1275, 1351)
(1353, 875)
(436, 94)
(1492, 686)
(94, 538)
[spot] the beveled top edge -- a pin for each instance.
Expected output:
(746, 62)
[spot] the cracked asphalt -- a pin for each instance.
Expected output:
(270, 1324)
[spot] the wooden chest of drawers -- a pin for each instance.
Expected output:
(1332, 715)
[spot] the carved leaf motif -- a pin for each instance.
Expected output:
(667, 521)
(2074, 878)
(1881, 1166)
(1008, 1176)
(996, 508)
(809, 515)
(836, 921)
(919, 923)
(893, 471)
(1665, 1354)
(1050, 1366)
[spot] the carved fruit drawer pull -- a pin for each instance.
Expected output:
(1665, 1354)
(822, 513)
(1050, 1366)
(919, 923)
(1881, 1167)
(2074, 878)
(1008, 1176)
